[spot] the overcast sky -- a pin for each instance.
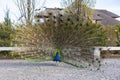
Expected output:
(110, 5)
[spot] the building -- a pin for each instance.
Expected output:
(105, 17)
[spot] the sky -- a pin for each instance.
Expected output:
(110, 5)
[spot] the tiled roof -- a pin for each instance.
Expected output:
(108, 13)
(107, 17)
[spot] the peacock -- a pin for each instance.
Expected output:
(57, 57)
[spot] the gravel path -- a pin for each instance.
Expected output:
(23, 70)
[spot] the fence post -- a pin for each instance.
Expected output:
(96, 53)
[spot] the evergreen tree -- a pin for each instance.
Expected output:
(7, 20)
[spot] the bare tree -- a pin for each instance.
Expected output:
(82, 8)
(27, 10)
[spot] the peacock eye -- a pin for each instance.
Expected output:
(77, 19)
(54, 22)
(72, 23)
(60, 15)
(66, 24)
(61, 20)
(54, 17)
(49, 13)
(68, 19)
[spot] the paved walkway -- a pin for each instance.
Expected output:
(23, 70)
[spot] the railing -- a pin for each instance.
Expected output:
(13, 48)
(97, 50)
